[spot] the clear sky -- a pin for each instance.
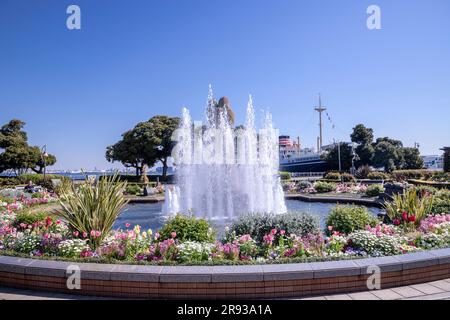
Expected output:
(78, 90)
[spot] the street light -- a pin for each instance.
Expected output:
(44, 156)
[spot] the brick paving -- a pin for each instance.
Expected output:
(436, 290)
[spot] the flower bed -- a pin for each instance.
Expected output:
(325, 187)
(85, 231)
(52, 238)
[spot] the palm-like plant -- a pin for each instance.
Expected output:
(409, 208)
(92, 208)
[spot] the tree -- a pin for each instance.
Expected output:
(362, 135)
(162, 128)
(411, 158)
(446, 159)
(12, 134)
(395, 143)
(147, 143)
(386, 155)
(133, 150)
(18, 156)
(38, 162)
(332, 158)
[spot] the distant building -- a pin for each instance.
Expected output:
(433, 162)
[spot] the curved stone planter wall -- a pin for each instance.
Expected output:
(225, 282)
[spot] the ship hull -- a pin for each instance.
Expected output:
(305, 166)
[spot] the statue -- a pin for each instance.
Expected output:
(144, 177)
(216, 108)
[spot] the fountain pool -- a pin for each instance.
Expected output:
(150, 215)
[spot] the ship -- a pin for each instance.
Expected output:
(293, 158)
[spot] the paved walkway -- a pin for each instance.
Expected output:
(436, 290)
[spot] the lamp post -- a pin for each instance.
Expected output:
(44, 156)
(339, 154)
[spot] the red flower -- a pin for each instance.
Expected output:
(405, 215)
(412, 218)
(396, 222)
(48, 221)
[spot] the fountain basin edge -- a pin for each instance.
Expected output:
(225, 282)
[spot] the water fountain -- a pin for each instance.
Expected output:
(223, 172)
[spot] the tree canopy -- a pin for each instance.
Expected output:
(384, 152)
(17, 155)
(146, 144)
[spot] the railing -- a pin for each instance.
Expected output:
(307, 174)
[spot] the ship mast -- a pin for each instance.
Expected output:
(320, 109)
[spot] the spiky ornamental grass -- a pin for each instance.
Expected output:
(409, 204)
(93, 207)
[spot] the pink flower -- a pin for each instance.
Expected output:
(76, 233)
(330, 228)
(273, 231)
(282, 232)
(157, 235)
(127, 225)
(85, 235)
(268, 239)
(173, 234)
(92, 233)
(98, 233)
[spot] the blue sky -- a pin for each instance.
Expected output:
(78, 90)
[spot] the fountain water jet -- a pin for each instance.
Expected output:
(223, 172)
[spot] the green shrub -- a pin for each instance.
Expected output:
(347, 177)
(8, 181)
(188, 228)
(29, 218)
(346, 219)
(402, 175)
(440, 176)
(322, 187)
(374, 190)
(333, 175)
(362, 172)
(36, 179)
(378, 175)
(441, 203)
(93, 206)
(259, 224)
(285, 175)
(422, 190)
(133, 189)
(37, 195)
